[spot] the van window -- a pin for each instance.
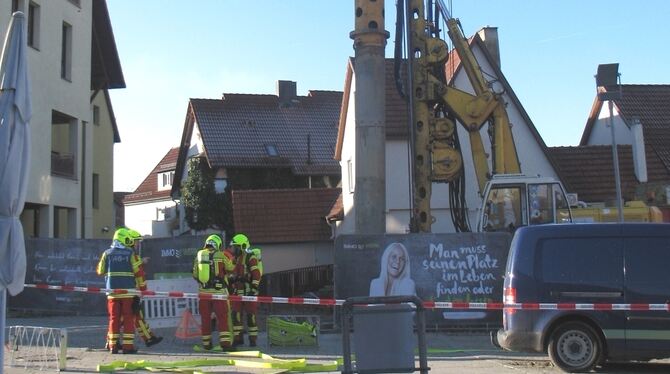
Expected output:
(648, 263)
(595, 261)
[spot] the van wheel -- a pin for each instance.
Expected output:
(574, 347)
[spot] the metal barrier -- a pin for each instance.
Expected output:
(37, 347)
(379, 330)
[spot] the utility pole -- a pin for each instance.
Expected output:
(369, 38)
(608, 85)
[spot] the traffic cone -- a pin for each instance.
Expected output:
(188, 326)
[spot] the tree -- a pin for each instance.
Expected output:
(203, 206)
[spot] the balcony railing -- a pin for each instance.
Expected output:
(62, 164)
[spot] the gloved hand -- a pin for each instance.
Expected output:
(253, 291)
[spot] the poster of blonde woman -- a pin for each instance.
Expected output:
(394, 274)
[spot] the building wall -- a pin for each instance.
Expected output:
(532, 158)
(347, 163)
(140, 217)
(50, 92)
(601, 134)
(102, 165)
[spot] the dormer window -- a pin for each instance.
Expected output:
(165, 180)
(271, 150)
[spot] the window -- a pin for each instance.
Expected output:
(66, 53)
(64, 140)
(586, 261)
(271, 150)
(165, 180)
(34, 25)
(220, 181)
(350, 175)
(503, 209)
(540, 204)
(96, 115)
(96, 191)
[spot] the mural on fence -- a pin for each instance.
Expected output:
(435, 267)
(74, 261)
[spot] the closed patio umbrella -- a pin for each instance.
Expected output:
(15, 113)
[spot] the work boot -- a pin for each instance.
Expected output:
(153, 340)
(130, 351)
(227, 348)
(114, 350)
(252, 341)
(207, 347)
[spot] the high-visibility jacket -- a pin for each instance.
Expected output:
(210, 268)
(247, 274)
(140, 277)
(120, 269)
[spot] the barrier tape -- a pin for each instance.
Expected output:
(339, 302)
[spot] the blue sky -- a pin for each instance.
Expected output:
(175, 50)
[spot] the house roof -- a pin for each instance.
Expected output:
(589, 171)
(148, 189)
(649, 103)
(106, 70)
(284, 216)
(237, 129)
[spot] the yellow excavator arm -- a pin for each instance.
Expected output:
(436, 157)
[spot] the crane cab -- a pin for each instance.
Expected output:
(511, 201)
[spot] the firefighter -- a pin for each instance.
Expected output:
(120, 269)
(141, 324)
(210, 269)
(246, 281)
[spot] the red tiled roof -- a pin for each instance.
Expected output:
(651, 104)
(284, 216)
(337, 210)
(236, 130)
(589, 171)
(148, 189)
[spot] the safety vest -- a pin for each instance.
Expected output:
(118, 268)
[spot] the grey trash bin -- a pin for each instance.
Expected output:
(384, 334)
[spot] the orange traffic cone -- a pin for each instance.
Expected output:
(188, 326)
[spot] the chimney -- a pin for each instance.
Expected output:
(489, 36)
(286, 91)
(639, 155)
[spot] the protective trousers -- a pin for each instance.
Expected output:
(142, 326)
(250, 309)
(120, 311)
(221, 310)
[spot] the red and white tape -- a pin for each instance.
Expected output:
(312, 301)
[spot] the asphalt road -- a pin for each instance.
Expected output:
(448, 352)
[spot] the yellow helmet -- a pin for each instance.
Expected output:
(134, 234)
(122, 235)
(214, 241)
(240, 240)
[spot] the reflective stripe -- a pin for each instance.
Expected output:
(648, 334)
(614, 334)
(637, 334)
(121, 273)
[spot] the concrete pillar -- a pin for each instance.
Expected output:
(369, 67)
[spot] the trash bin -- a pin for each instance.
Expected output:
(383, 334)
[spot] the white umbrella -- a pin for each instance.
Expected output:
(15, 113)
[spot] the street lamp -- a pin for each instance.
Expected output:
(608, 85)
